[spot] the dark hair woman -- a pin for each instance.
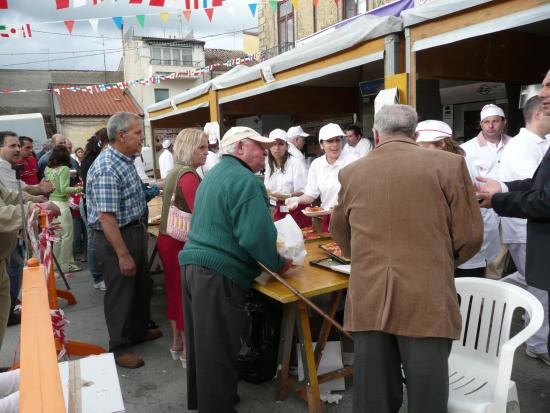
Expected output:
(59, 174)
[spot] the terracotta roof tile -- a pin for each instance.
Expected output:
(80, 103)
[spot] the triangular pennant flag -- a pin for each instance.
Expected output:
(69, 24)
(315, 3)
(94, 23)
(135, 1)
(141, 19)
(26, 29)
(252, 7)
(61, 4)
(336, 1)
(118, 22)
(295, 4)
(210, 13)
(187, 14)
(3, 4)
(217, 3)
(158, 3)
(273, 4)
(79, 3)
(164, 16)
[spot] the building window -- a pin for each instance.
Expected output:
(285, 25)
(172, 56)
(161, 94)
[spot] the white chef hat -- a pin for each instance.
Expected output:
(212, 129)
(491, 110)
(296, 131)
(166, 143)
(278, 134)
(433, 131)
(329, 131)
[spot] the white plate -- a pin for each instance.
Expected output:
(324, 212)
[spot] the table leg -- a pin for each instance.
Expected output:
(315, 405)
(152, 257)
(326, 327)
(285, 349)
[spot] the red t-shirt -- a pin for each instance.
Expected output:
(189, 184)
(29, 175)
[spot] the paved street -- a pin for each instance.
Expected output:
(160, 385)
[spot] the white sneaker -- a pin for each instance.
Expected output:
(544, 357)
(100, 286)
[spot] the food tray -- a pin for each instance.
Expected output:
(331, 264)
(308, 213)
(329, 249)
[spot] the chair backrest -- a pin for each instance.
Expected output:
(487, 307)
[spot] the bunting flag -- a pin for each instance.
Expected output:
(96, 2)
(118, 22)
(336, 1)
(69, 24)
(295, 4)
(195, 4)
(157, 3)
(187, 4)
(187, 14)
(273, 4)
(315, 3)
(210, 13)
(141, 20)
(3, 4)
(136, 1)
(217, 3)
(79, 3)
(61, 4)
(252, 7)
(26, 29)
(7, 31)
(94, 23)
(164, 16)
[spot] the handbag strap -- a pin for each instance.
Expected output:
(183, 169)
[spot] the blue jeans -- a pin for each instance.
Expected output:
(15, 271)
(92, 264)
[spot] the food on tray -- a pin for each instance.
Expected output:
(309, 233)
(333, 249)
(314, 209)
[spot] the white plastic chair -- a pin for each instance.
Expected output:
(480, 364)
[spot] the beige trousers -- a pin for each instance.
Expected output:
(63, 249)
(5, 300)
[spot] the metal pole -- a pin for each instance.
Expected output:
(306, 300)
(23, 216)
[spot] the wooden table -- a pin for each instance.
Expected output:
(310, 281)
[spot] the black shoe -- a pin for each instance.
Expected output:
(14, 319)
(151, 325)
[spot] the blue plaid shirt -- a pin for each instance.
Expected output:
(113, 185)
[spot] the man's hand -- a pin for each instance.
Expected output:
(292, 203)
(485, 199)
(287, 266)
(45, 187)
(49, 206)
(127, 265)
(37, 199)
(488, 186)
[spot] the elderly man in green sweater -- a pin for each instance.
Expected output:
(231, 231)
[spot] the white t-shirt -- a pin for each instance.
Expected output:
(297, 153)
(140, 168)
(293, 179)
(485, 156)
(520, 160)
(212, 160)
(322, 179)
(491, 237)
(166, 163)
(361, 149)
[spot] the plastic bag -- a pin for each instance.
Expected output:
(290, 241)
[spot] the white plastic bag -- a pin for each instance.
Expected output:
(290, 241)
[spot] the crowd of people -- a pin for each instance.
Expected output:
(413, 211)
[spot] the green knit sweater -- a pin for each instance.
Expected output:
(231, 227)
(60, 178)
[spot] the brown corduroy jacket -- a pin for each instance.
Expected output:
(406, 216)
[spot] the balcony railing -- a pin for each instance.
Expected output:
(182, 63)
(277, 50)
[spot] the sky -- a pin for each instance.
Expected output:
(52, 47)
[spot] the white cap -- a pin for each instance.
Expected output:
(433, 131)
(212, 129)
(296, 131)
(278, 134)
(166, 143)
(238, 133)
(491, 110)
(329, 131)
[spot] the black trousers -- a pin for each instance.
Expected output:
(213, 310)
(470, 272)
(377, 382)
(127, 299)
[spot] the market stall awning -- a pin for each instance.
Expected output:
(356, 44)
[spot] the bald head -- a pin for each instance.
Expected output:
(58, 139)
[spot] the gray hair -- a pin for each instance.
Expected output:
(56, 137)
(396, 120)
(119, 122)
(533, 105)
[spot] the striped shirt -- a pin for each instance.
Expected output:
(113, 186)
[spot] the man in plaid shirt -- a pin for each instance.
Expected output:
(116, 205)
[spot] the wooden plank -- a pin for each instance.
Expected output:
(326, 326)
(214, 106)
(285, 349)
(205, 98)
(40, 383)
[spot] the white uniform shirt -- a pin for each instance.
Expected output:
(485, 156)
(140, 168)
(166, 163)
(520, 159)
(297, 153)
(293, 179)
(322, 179)
(360, 150)
(491, 236)
(212, 160)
